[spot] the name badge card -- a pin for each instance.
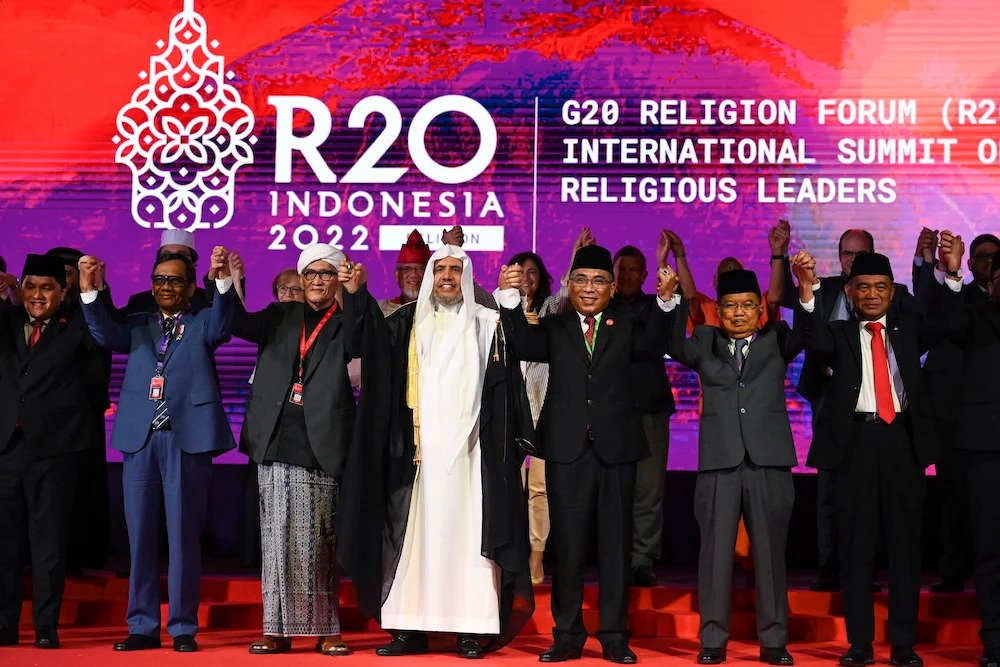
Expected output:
(295, 397)
(156, 388)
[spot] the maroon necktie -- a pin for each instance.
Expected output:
(880, 368)
(36, 333)
(589, 333)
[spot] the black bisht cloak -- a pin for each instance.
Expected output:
(378, 476)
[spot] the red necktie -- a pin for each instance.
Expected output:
(36, 333)
(880, 368)
(589, 333)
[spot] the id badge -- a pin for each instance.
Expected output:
(295, 397)
(156, 388)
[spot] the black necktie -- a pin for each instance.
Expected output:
(740, 346)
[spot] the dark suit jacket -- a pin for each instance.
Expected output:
(742, 413)
(649, 376)
(47, 388)
(329, 400)
(976, 331)
(812, 380)
(581, 391)
(838, 346)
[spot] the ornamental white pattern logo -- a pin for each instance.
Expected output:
(185, 132)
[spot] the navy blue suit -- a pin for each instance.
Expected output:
(167, 471)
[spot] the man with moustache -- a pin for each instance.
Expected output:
(745, 457)
(409, 272)
(591, 437)
(47, 358)
(170, 423)
(298, 431)
(874, 435)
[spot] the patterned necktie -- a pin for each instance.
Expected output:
(880, 370)
(161, 418)
(36, 333)
(168, 325)
(589, 333)
(740, 352)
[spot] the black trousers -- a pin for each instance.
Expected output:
(36, 498)
(983, 477)
(650, 485)
(880, 492)
(957, 554)
(585, 495)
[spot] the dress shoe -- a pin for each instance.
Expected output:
(904, 656)
(49, 640)
(468, 646)
(138, 643)
(777, 655)
(858, 654)
(620, 653)
(990, 656)
(8, 638)
(825, 585)
(948, 586)
(876, 587)
(712, 656)
(561, 652)
(185, 644)
(404, 643)
(643, 577)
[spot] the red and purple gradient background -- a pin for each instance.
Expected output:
(67, 67)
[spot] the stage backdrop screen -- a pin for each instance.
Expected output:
(267, 126)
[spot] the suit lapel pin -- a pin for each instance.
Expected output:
(609, 322)
(180, 332)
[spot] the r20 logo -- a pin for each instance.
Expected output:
(366, 169)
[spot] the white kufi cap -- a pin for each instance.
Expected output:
(319, 251)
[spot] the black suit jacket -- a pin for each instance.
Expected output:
(742, 412)
(47, 388)
(328, 397)
(838, 346)
(976, 331)
(583, 391)
(649, 376)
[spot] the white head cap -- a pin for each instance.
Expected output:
(319, 251)
(177, 237)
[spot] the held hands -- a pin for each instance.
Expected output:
(950, 251)
(666, 283)
(453, 236)
(779, 236)
(663, 249)
(926, 242)
(676, 245)
(352, 275)
(7, 281)
(219, 269)
(236, 268)
(511, 277)
(92, 271)
(584, 239)
(804, 270)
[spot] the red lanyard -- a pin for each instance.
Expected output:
(306, 345)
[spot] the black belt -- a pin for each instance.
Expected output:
(872, 417)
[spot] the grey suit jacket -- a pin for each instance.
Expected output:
(742, 413)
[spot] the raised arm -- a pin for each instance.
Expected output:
(107, 331)
(811, 325)
(362, 315)
(528, 342)
(686, 279)
(777, 238)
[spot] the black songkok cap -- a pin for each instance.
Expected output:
(593, 257)
(69, 256)
(738, 281)
(871, 264)
(45, 266)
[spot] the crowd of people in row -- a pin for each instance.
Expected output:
(481, 429)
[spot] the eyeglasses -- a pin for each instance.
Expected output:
(410, 269)
(582, 281)
(285, 289)
(748, 307)
(983, 256)
(325, 275)
(173, 281)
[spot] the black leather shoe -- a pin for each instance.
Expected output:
(7, 639)
(138, 643)
(876, 587)
(643, 577)
(561, 652)
(619, 653)
(904, 656)
(469, 647)
(858, 655)
(404, 643)
(185, 644)
(990, 656)
(777, 655)
(825, 585)
(48, 640)
(947, 586)
(712, 656)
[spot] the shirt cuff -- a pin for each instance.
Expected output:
(667, 306)
(222, 285)
(88, 297)
(953, 283)
(918, 261)
(509, 298)
(810, 306)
